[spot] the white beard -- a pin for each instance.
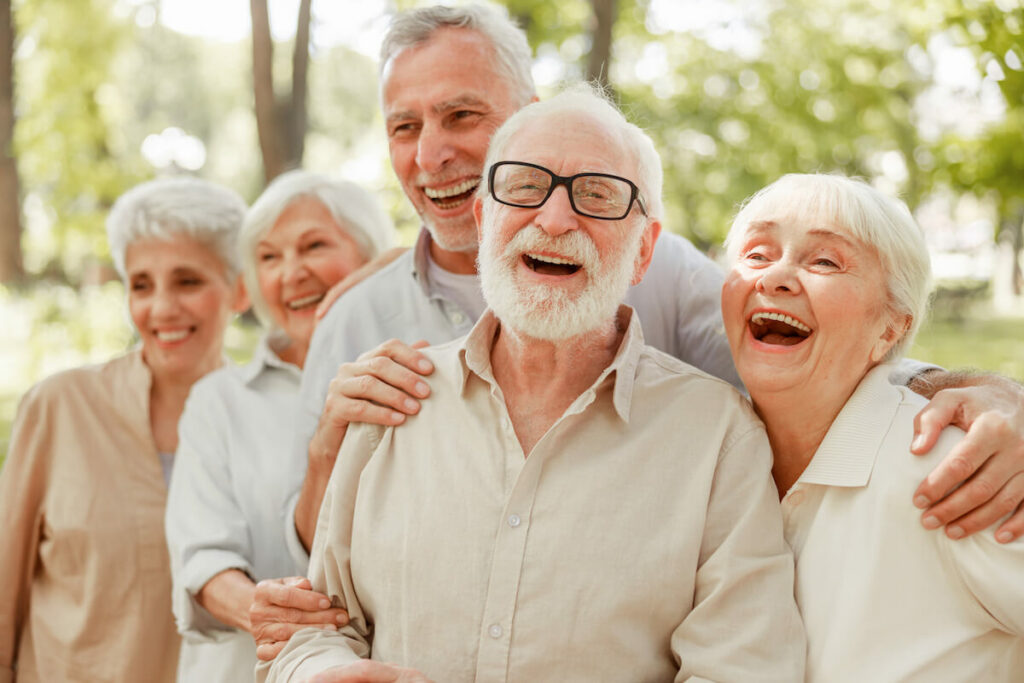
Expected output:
(551, 313)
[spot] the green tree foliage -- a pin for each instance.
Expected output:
(69, 153)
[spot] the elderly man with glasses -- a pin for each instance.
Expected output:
(595, 509)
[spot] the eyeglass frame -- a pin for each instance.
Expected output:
(566, 181)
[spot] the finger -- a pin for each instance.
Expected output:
(958, 465)
(1001, 504)
(981, 490)
(395, 390)
(276, 618)
(267, 651)
(283, 595)
(933, 418)
(403, 354)
(1012, 528)
(297, 581)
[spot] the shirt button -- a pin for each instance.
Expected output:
(495, 631)
(458, 318)
(514, 521)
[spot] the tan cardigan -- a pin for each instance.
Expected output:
(85, 585)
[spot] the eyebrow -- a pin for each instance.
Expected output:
(767, 226)
(440, 108)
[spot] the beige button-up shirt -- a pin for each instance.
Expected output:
(85, 580)
(641, 540)
(883, 598)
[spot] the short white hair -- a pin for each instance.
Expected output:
(881, 222)
(588, 100)
(167, 207)
(513, 58)
(355, 210)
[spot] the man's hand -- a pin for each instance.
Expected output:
(987, 465)
(281, 607)
(368, 671)
(355, 277)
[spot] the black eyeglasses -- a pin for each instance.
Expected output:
(596, 195)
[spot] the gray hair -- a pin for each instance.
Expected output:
(354, 209)
(166, 207)
(881, 222)
(589, 100)
(511, 49)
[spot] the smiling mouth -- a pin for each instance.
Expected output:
(305, 302)
(550, 265)
(778, 329)
(451, 197)
(172, 336)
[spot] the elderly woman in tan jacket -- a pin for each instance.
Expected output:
(85, 586)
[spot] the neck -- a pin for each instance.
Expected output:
(167, 396)
(540, 379)
(459, 262)
(294, 353)
(796, 427)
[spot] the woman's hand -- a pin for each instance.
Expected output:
(282, 607)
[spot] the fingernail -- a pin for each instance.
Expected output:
(1004, 537)
(330, 627)
(922, 502)
(397, 418)
(325, 603)
(425, 365)
(918, 440)
(955, 532)
(931, 522)
(410, 404)
(422, 389)
(342, 619)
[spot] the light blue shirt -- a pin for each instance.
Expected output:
(229, 488)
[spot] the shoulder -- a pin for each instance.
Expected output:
(380, 288)
(674, 252)
(100, 378)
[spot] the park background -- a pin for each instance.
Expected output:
(923, 98)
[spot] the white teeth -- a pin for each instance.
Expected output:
(764, 315)
(305, 301)
(177, 335)
(553, 259)
(464, 186)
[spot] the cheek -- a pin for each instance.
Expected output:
(735, 291)
(138, 310)
(212, 306)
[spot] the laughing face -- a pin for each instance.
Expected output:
(302, 256)
(442, 101)
(180, 301)
(805, 306)
(548, 272)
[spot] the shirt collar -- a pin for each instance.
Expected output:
(475, 358)
(420, 260)
(265, 358)
(847, 454)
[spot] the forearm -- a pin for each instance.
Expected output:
(227, 596)
(307, 508)
(930, 382)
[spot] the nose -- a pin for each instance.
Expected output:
(779, 278)
(294, 269)
(556, 216)
(165, 303)
(433, 148)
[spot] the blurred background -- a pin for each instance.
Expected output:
(924, 98)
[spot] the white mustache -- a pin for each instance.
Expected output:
(574, 245)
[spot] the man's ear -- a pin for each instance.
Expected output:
(240, 296)
(647, 242)
(478, 215)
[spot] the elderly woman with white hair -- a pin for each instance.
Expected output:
(85, 589)
(227, 522)
(829, 282)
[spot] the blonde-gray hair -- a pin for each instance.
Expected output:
(163, 208)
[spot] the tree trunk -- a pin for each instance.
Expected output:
(281, 124)
(600, 59)
(297, 114)
(10, 205)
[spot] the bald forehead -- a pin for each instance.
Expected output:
(579, 138)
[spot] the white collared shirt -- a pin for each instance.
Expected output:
(884, 599)
(226, 502)
(641, 539)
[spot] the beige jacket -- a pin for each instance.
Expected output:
(85, 586)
